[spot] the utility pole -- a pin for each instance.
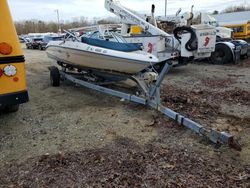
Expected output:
(58, 21)
(166, 3)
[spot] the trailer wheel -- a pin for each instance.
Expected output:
(40, 47)
(54, 77)
(221, 55)
(12, 108)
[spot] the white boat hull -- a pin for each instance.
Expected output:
(91, 57)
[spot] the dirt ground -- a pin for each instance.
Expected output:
(74, 137)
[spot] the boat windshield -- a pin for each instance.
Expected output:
(107, 35)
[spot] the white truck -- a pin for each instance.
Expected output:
(227, 50)
(197, 41)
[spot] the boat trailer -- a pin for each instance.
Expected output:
(152, 99)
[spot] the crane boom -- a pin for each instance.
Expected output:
(128, 17)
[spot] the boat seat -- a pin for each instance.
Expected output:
(124, 47)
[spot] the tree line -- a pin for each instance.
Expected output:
(239, 8)
(39, 26)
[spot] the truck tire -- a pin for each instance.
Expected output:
(221, 55)
(54, 76)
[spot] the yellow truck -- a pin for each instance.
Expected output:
(241, 31)
(13, 88)
(239, 22)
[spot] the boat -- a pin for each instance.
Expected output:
(101, 49)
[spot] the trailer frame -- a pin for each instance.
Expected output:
(152, 99)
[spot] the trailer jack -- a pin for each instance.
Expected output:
(152, 99)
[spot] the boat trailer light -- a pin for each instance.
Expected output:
(5, 48)
(10, 70)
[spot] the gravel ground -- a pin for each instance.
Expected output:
(76, 137)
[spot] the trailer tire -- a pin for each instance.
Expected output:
(54, 77)
(221, 55)
(40, 47)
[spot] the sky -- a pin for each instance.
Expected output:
(70, 9)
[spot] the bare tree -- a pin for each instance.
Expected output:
(236, 9)
(39, 26)
(215, 12)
